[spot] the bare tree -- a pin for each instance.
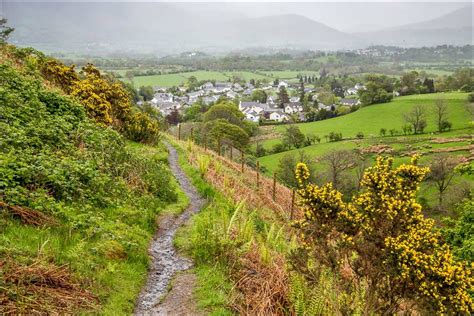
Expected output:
(442, 173)
(338, 162)
(362, 163)
(416, 118)
(441, 111)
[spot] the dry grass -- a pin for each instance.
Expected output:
(263, 287)
(40, 289)
(28, 216)
(227, 176)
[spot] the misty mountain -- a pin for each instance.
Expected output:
(164, 28)
(453, 28)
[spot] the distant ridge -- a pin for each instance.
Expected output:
(165, 28)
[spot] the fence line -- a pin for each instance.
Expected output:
(256, 188)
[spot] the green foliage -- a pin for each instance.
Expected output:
(459, 232)
(378, 90)
(104, 193)
(146, 92)
(259, 95)
(293, 137)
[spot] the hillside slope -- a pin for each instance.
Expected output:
(78, 201)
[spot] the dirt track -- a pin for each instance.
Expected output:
(166, 262)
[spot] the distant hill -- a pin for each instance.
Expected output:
(165, 28)
(454, 28)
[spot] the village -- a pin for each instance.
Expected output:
(167, 100)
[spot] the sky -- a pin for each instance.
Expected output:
(348, 15)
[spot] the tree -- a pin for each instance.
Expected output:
(225, 110)
(129, 75)
(174, 118)
(5, 30)
(192, 83)
(146, 92)
(383, 132)
(285, 171)
(192, 113)
(416, 118)
(337, 162)
(283, 96)
(259, 95)
(441, 112)
(219, 130)
(293, 137)
(442, 173)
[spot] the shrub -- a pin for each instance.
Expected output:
(360, 135)
(382, 238)
(335, 137)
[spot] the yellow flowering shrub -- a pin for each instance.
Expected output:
(142, 128)
(59, 74)
(384, 238)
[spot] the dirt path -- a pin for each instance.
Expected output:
(166, 262)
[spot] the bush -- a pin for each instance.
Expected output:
(335, 137)
(382, 238)
(360, 135)
(278, 148)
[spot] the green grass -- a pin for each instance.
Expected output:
(370, 119)
(177, 79)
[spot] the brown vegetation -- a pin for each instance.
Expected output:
(41, 288)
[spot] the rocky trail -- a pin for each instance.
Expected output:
(168, 290)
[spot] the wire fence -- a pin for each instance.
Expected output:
(230, 171)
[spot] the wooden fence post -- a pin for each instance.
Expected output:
(219, 146)
(242, 159)
(274, 186)
(231, 153)
(192, 133)
(258, 173)
(179, 131)
(292, 204)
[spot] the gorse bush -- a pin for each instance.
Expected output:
(381, 238)
(106, 100)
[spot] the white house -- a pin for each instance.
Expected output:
(278, 116)
(295, 107)
(350, 102)
(162, 98)
(294, 99)
(282, 84)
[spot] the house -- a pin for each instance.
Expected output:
(278, 116)
(207, 86)
(293, 107)
(167, 107)
(194, 96)
(237, 87)
(350, 102)
(355, 89)
(209, 99)
(159, 89)
(251, 115)
(248, 105)
(162, 98)
(247, 92)
(271, 99)
(294, 99)
(231, 95)
(282, 84)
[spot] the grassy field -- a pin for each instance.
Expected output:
(169, 80)
(177, 79)
(370, 119)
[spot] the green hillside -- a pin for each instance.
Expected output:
(370, 119)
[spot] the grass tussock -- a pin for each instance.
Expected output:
(28, 216)
(41, 288)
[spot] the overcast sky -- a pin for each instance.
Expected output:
(350, 16)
